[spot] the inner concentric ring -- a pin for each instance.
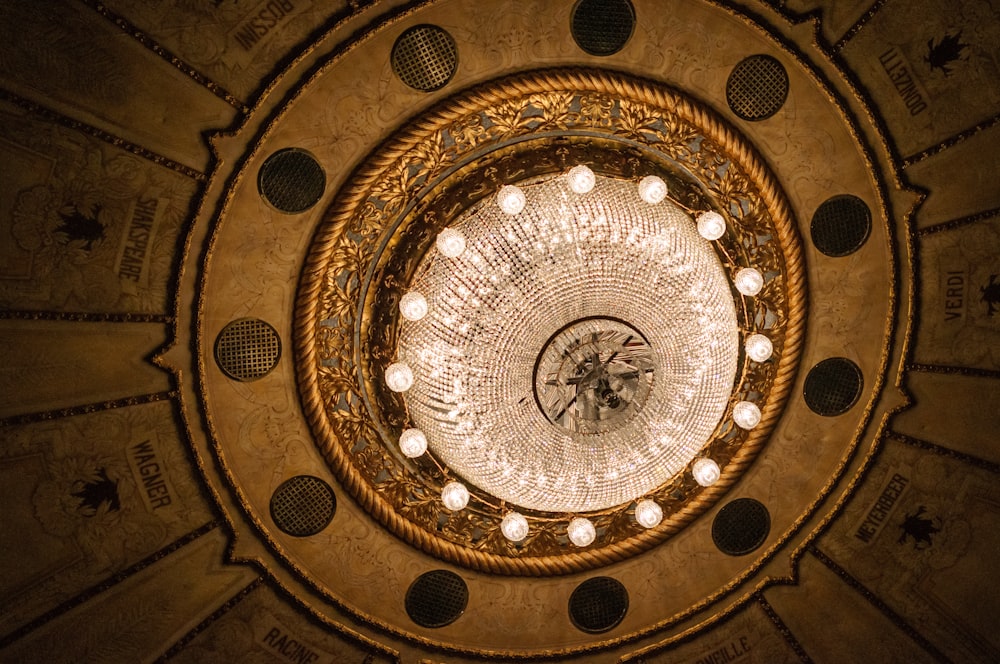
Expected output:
(605, 255)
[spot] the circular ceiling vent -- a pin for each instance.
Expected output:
(291, 180)
(841, 225)
(757, 87)
(602, 27)
(598, 604)
(247, 349)
(741, 526)
(833, 386)
(425, 57)
(437, 598)
(303, 505)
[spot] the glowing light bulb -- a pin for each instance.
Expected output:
(648, 514)
(581, 179)
(451, 242)
(759, 347)
(652, 189)
(399, 377)
(455, 496)
(581, 532)
(511, 199)
(412, 443)
(749, 281)
(413, 306)
(746, 415)
(514, 527)
(706, 471)
(711, 225)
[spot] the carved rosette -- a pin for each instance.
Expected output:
(386, 217)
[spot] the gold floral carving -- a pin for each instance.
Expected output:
(386, 217)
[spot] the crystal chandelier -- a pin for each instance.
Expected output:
(537, 363)
(570, 324)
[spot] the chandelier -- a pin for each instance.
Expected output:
(570, 345)
(548, 324)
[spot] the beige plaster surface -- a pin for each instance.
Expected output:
(969, 422)
(835, 624)
(236, 45)
(45, 365)
(144, 615)
(960, 180)
(106, 79)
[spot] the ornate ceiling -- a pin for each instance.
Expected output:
(210, 212)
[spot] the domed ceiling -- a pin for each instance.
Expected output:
(454, 330)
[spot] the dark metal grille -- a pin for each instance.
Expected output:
(757, 87)
(741, 526)
(291, 180)
(602, 27)
(437, 598)
(424, 57)
(303, 505)
(247, 349)
(833, 386)
(840, 226)
(598, 604)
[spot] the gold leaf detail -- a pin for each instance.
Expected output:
(507, 117)
(555, 109)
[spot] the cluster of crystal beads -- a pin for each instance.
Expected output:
(524, 276)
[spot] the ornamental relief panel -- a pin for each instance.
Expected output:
(258, 438)
(960, 294)
(917, 59)
(104, 490)
(86, 226)
(916, 536)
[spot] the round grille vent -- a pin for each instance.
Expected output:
(741, 526)
(757, 87)
(303, 505)
(247, 349)
(841, 225)
(833, 386)
(437, 598)
(291, 180)
(598, 604)
(424, 57)
(602, 27)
